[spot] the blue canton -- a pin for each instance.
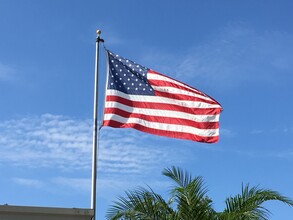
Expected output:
(127, 76)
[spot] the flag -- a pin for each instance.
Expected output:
(140, 98)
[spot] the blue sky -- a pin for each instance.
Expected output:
(238, 52)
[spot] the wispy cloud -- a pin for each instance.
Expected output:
(81, 184)
(130, 152)
(65, 143)
(285, 154)
(227, 132)
(284, 129)
(6, 72)
(32, 183)
(46, 141)
(231, 57)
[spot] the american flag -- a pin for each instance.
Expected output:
(140, 98)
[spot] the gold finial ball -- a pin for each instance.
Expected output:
(98, 32)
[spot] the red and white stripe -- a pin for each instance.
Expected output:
(177, 110)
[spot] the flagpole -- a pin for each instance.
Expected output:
(95, 127)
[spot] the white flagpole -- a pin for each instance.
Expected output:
(95, 128)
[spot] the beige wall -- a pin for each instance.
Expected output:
(8, 212)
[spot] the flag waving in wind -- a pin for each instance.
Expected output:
(140, 98)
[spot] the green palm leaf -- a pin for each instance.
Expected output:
(249, 204)
(189, 193)
(141, 204)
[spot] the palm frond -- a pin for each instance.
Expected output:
(249, 204)
(189, 194)
(179, 176)
(140, 204)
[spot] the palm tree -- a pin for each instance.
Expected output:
(189, 201)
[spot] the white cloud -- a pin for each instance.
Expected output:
(284, 154)
(46, 141)
(233, 56)
(128, 151)
(80, 184)
(55, 141)
(6, 72)
(110, 188)
(33, 183)
(272, 130)
(227, 132)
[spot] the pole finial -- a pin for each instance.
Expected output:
(98, 36)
